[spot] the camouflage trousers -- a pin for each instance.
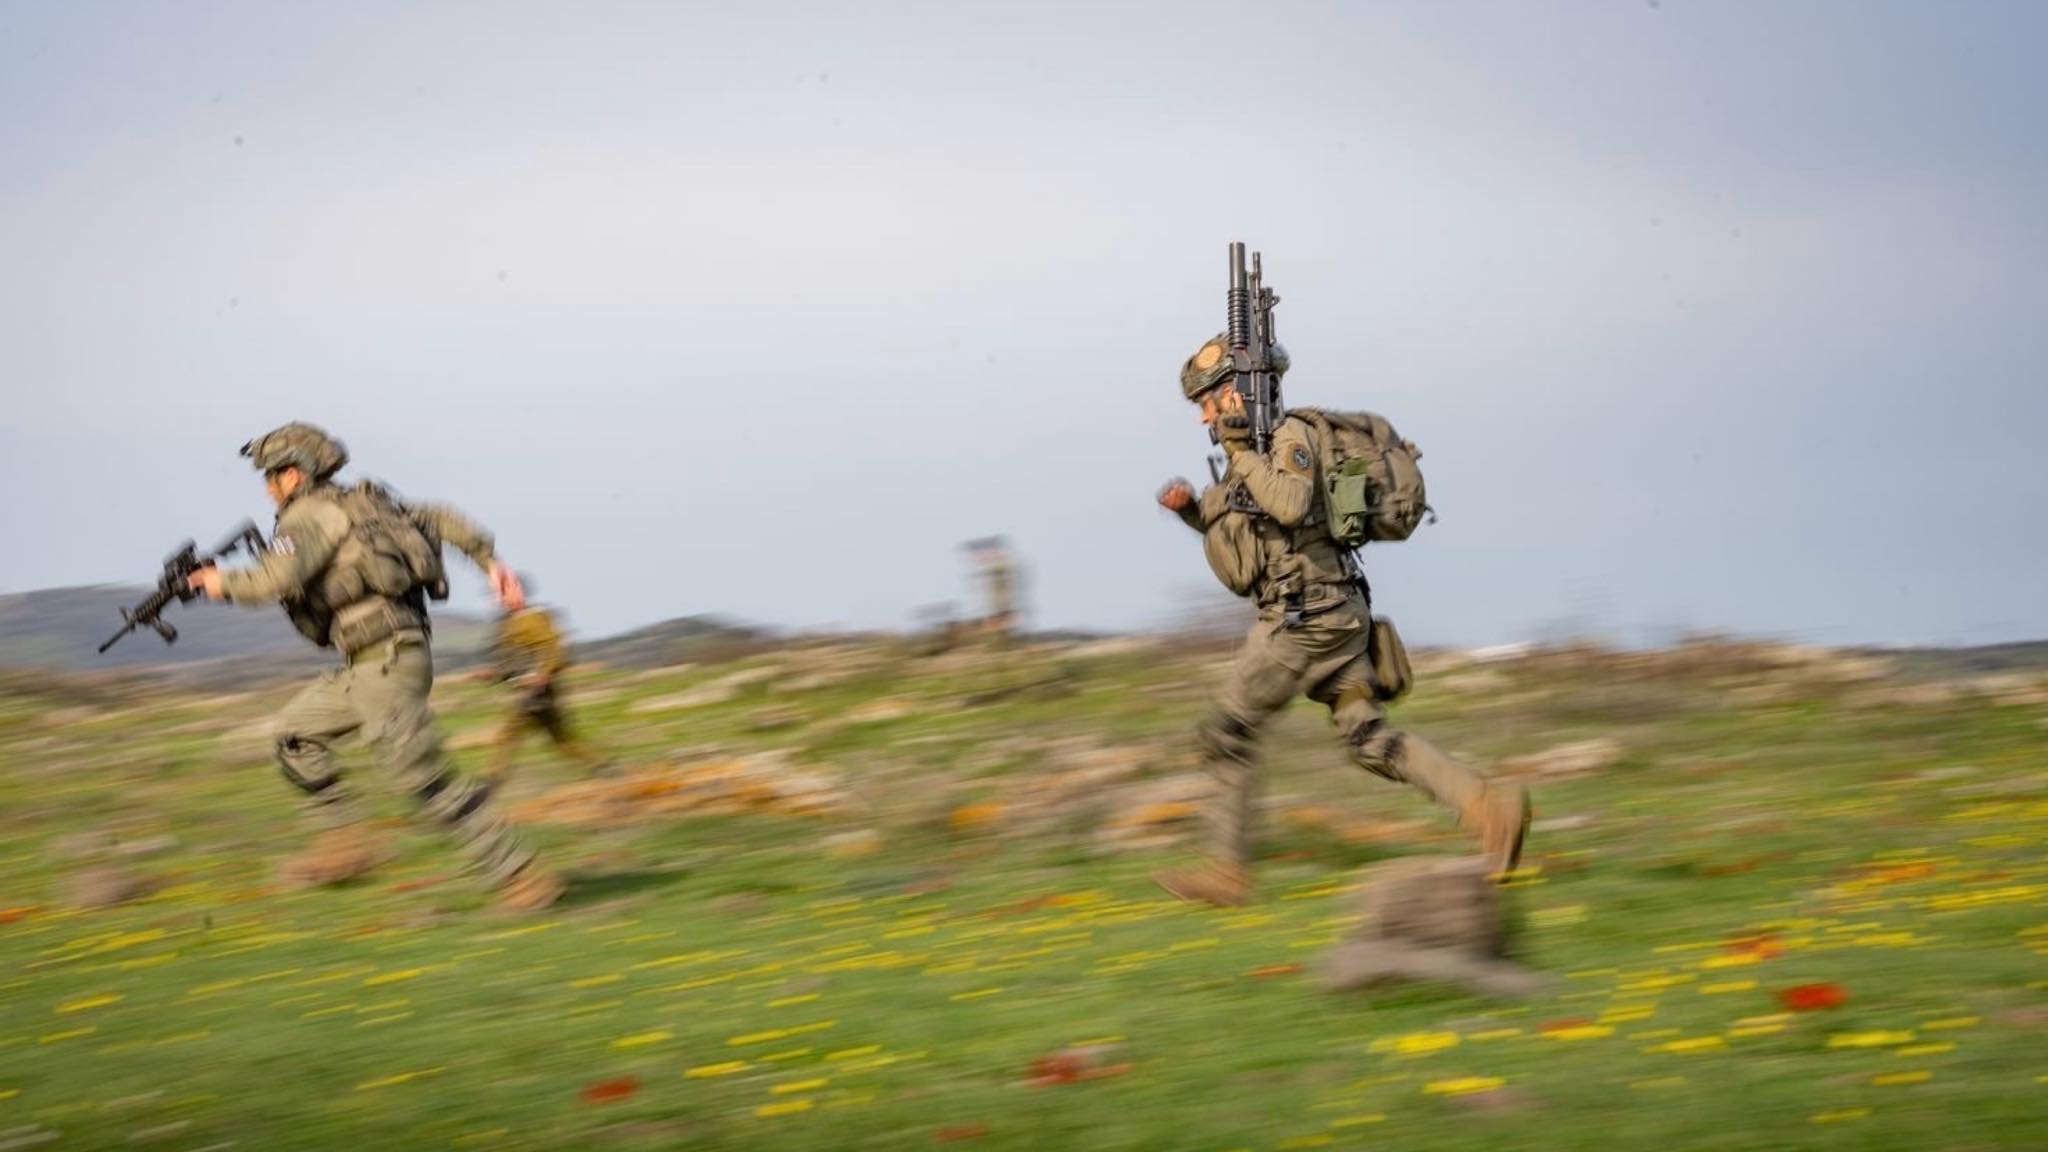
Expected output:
(540, 710)
(1324, 657)
(381, 695)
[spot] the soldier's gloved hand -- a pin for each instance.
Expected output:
(1176, 495)
(1234, 433)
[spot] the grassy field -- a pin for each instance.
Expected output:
(910, 957)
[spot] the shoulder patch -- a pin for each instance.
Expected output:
(282, 544)
(1298, 458)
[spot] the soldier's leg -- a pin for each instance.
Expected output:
(505, 746)
(1265, 676)
(1260, 684)
(551, 718)
(1497, 813)
(392, 684)
(303, 736)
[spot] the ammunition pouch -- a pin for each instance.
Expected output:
(1389, 657)
(367, 623)
(1299, 602)
(313, 623)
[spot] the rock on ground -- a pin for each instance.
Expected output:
(1429, 919)
(1577, 758)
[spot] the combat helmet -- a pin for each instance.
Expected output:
(1211, 365)
(297, 445)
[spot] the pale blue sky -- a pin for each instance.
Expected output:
(1706, 315)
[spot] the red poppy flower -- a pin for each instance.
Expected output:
(1813, 997)
(1058, 1068)
(610, 1091)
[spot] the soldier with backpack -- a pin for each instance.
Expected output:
(354, 568)
(1279, 527)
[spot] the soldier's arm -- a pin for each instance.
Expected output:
(1283, 482)
(308, 534)
(452, 527)
(1215, 502)
(1203, 510)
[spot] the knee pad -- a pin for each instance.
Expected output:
(1377, 745)
(289, 747)
(450, 798)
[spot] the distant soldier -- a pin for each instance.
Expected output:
(995, 570)
(354, 567)
(1266, 534)
(528, 654)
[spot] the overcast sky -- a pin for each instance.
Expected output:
(1706, 315)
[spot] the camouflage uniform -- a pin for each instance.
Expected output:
(1264, 536)
(528, 652)
(327, 565)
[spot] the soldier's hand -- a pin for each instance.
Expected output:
(1234, 433)
(206, 582)
(1177, 495)
(505, 587)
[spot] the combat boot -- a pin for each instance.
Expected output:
(1500, 818)
(533, 889)
(335, 856)
(1223, 885)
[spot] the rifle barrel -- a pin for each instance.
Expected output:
(1240, 300)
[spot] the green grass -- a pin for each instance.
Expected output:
(900, 999)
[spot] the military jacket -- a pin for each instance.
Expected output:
(1264, 533)
(529, 643)
(321, 566)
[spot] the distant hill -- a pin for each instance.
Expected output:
(61, 627)
(688, 639)
(1987, 659)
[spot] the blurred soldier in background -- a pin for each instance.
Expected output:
(528, 653)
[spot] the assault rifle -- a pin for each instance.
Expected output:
(1250, 305)
(175, 582)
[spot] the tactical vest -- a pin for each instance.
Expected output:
(1299, 569)
(380, 578)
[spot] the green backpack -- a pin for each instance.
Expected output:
(1372, 479)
